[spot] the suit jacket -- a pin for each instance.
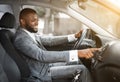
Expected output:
(35, 54)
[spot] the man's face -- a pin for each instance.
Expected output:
(31, 22)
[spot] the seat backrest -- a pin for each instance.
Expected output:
(3, 76)
(7, 20)
(6, 41)
(8, 67)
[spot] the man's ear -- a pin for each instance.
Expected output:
(22, 21)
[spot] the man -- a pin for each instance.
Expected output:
(39, 59)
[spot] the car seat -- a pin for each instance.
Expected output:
(3, 76)
(9, 71)
(7, 22)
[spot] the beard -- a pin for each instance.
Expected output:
(31, 29)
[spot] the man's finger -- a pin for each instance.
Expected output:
(95, 49)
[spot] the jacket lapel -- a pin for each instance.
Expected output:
(39, 43)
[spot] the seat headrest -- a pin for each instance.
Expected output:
(7, 20)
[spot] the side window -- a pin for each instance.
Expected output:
(54, 22)
(5, 8)
(1, 14)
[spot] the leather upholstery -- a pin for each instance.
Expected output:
(7, 21)
(10, 69)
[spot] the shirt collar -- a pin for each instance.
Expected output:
(32, 35)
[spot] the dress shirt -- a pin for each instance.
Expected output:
(32, 35)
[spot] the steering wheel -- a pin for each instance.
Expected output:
(79, 40)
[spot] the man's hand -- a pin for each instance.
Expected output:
(77, 35)
(87, 53)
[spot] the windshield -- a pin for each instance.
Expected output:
(100, 14)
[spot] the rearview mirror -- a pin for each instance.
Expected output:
(81, 4)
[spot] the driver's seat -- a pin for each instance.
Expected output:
(7, 22)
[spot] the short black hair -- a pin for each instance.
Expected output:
(25, 12)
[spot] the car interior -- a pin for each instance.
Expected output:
(12, 60)
(13, 68)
